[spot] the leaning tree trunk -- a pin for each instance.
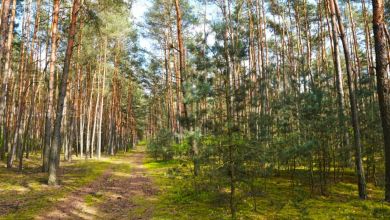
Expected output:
(61, 97)
(354, 110)
(340, 89)
(383, 83)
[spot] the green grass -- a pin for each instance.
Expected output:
(177, 199)
(93, 199)
(278, 198)
(26, 194)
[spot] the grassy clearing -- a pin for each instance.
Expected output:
(278, 199)
(177, 199)
(26, 194)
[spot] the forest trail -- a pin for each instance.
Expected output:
(116, 194)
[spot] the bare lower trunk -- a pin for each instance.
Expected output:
(353, 103)
(50, 101)
(6, 73)
(383, 84)
(99, 145)
(89, 115)
(340, 89)
(61, 97)
(95, 116)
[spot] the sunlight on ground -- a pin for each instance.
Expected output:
(280, 200)
(26, 195)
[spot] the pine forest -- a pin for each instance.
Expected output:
(194, 109)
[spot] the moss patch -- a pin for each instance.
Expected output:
(278, 198)
(26, 194)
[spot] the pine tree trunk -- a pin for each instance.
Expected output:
(89, 117)
(61, 97)
(21, 94)
(383, 83)
(95, 114)
(4, 28)
(353, 103)
(6, 73)
(99, 146)
(339, 87)
(50, 101)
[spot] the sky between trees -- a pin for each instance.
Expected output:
(241, 89)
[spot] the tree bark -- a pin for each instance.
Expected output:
(99, 146)
(4, 28)
(61, 97)
(181, 57)
(383, 83)
(50, 101)
(339, 87)
(6, 73)
(354, 110)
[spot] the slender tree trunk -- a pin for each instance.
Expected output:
(353, 103)
(61, 97)
(21, 94)
(383, 83)
(80, 89)
(6, 73)
(50, 101)
(99, 146)
(90, 111)
(229, 111)
(95, 114)
(182, 63)
(4, 28)
(339, 87)
(181, 56)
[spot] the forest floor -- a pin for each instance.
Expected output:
(89, 189)
(134, 186)
(277, 197)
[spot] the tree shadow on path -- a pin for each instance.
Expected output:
(112, 196)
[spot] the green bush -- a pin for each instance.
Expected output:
(161, 146)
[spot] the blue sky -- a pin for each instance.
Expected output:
(141, 6)
(138, 10)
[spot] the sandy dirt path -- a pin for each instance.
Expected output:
(114, 195)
